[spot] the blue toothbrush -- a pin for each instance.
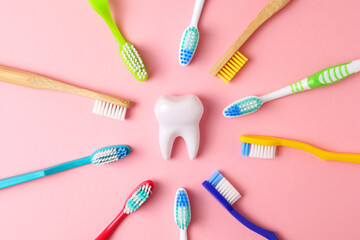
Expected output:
(101, 156)
(227, 195)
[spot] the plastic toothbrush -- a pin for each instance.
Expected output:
(322, 78)
(190, 37)
(257, 146)
(101, 156)
(128, 53)
(182, 212)
(134, 201)
(227, 195)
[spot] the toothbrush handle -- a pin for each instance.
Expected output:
(197, 11)
(10, 181)
(112, 226)
(263, 232)
(322, 78)
(272, 7)
(31, 80)
(183, 234)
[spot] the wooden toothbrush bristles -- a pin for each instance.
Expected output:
(31, 80)
(272, 7)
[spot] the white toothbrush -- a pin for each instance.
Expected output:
(190, 37)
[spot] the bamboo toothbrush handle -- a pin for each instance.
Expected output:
(32, 80)
(272, 7)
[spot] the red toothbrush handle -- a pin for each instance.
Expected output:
(111, 227)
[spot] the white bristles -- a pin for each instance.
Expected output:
(134, 61)
(109, 110)
(227, 191)
(261, 151)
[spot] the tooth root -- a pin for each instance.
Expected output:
(179, 116)
(166, 140)
(192, 140)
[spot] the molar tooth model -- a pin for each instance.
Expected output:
(179, 116)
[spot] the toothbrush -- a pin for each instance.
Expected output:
(128, 53)
(322, 78)
(232, 61)
(101, 156)
(190, 36)
(134, 201)
(182, 212)
(105, 105)
(227, 195)
(265, 147)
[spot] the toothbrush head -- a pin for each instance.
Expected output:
(223, 187)
(242, 107)
(258, 146)
(133, 61)
(189, 42)
(109, 154)
(138, 196)
(182, 212)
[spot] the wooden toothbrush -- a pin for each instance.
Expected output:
(105, 105)
(231, 62)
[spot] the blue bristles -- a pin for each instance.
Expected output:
(182, 200)
(215, 178)
(185, 56)
(122, 152)
(245, 149)
(232, 111)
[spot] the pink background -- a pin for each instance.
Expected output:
(296, 194)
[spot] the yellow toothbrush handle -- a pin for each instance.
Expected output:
(324, 155)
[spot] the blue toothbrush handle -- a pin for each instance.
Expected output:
(261, 231)
(10, 181)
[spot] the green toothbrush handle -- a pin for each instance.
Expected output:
(103, 9)
(333, 74)
(10, 181)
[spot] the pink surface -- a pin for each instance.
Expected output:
(296, 195)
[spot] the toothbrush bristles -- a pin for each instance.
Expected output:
(224, 187)
(138, 198)
(109, 110)
(235, 63)
(258, 151)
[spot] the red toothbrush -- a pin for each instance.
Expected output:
(134, 201)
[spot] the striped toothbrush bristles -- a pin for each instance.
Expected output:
(109, 155)
(257, 151)
(224, 187)
(182, 210)
(109, 110)
(138, 198)
(233, 65)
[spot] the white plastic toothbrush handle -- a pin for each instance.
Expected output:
(283, 92)
(197, 11)
(322, 78)
(183, 234)
(354, 66)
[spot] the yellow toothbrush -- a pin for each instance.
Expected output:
(257, 146)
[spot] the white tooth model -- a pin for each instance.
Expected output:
(179, 116)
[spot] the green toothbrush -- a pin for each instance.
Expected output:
(128, 52)
(322, 78)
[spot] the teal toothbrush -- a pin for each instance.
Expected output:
(101, 156)
(128, 53)
(322, 78)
